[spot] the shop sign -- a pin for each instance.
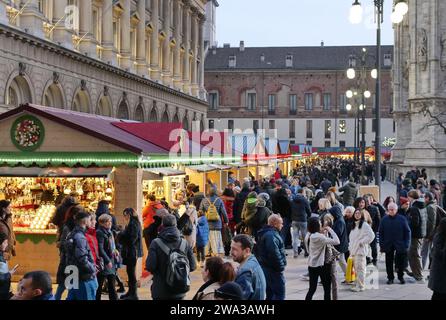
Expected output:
(27, 133)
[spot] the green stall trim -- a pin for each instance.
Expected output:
(36, 238)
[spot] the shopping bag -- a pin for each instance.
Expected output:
(350, 275)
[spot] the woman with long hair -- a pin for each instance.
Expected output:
(437, 278)
(131, 241)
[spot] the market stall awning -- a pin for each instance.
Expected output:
(202, 168)
(157, 173)
(221, 166)
(238, 165)
(55, 172)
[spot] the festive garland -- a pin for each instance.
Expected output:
(27, 133)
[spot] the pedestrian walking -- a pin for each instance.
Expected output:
(437, 278)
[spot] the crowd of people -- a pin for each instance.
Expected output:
(238, 238)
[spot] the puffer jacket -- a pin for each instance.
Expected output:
(300, 209)
(271, 249)
(202, 232)
(149, 212)
(157, 261)
(106, 246)
(251, 278)
(282, 204)
(431, 210)
(340, 228)
(78, 254)
(350, 190)
(131, 241)
(360, 240)
(418, 219)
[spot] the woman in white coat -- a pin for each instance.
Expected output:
(360, 238)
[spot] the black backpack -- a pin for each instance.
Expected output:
(178, 268)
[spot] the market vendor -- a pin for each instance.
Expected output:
(6, 228)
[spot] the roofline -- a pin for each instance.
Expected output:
(48, 45)
(28, 107)
(229, 70)
(324, 47)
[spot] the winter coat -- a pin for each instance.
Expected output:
(5, 279)
(376, 217)
(6, 227)
(229, 206)
(350, 191)
(149, 212)
(260, 218)
(131, 241)
(325, 185)
(202, 232)
(436, 191)
(92, 239)
(340, 229)
(106, 247)
(431, 210)
(157, 261)
(271, 249)
(437, 278)
(60, 278)
(418, 219)
(215, 225)
(193, 216)
(207, 291)
(251, 278)
(394, 234)
(316, 244)
(78, 254)
(282, 204)
(249, 211)
(360, 239)
(300, 209)
(238, 204)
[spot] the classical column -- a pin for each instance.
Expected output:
(108, 48)
(167, 75)
(31, 19)
(194, 71)
(125, 61)
(186, 44)
(154, 42)
(141, 66)
(3, 14)
(177, 76)
(87, 44)
(201, 50)
(61, 35)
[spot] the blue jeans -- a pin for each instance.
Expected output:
(275, 284)
(60, 290)
(87, 291)
(299, 231)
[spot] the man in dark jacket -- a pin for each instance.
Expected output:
(376, 220)
(157, 260)
(79, 257)
(407, 186)
(300, 213)
(418, 222)
(326, 184)
(340, 228)
(282, 206)
(394, 241)
(350, 191)
(240, 201)
(272, 258)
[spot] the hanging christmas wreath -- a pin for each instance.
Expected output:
(27, 133)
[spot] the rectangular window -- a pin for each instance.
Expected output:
(327, 101)
(327, 144)
(293, 104)
(327, 129)
(309, 143)
(251, 101)
(213, 100)
(255, 126)
(211, 124)
(292, 129)
(133, 42)
(394, 126)
(342, 103)
(292, 142)
(95, 24)
(309, 129)
(232, 61)
(342, 126)
(271, 103)
(231, 124)
(342, 144)
(391, 103)
(289, 61)
(272, 124)
(308, 101)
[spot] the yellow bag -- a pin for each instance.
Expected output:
(350, 275)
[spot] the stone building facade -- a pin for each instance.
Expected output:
(420, 90)
(129, 59)
(298, 91)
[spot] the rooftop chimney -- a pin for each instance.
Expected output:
(242, 46)
(214, 50)
(322, 43)
(226, 45)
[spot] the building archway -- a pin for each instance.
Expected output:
(53, 96)
(123, 111)
(153, 115)
(176, 119)
(104, 107)
(18, 92)
(139, 113)
(81, 101)
(165, 117)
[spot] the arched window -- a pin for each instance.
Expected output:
(153, 116)
(123, 111)
(81, 102)
(18, 92)
(53, 97)
(165, 117)
(139, 113)
(176, 119)
(185, 123)
(104, 107)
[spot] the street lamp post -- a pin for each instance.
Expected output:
(400, 10)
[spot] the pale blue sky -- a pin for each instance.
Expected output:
(297, 23)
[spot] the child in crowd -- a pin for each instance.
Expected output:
(202, 238)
